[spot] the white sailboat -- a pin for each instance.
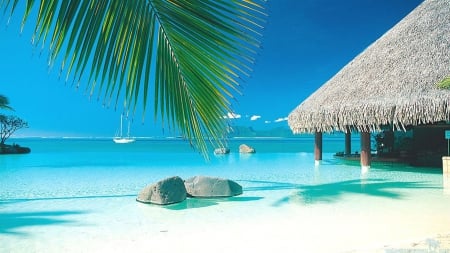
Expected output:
(123, 139)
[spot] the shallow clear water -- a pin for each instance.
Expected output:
(79, 196)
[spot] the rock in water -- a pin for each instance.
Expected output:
(246, 149)
(209, 187)
(221, 151)
(167, 191)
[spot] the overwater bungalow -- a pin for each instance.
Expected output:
(388, 90)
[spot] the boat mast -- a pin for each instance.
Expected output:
(128, 129)
(121, 118)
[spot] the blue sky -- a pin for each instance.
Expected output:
(305, 43)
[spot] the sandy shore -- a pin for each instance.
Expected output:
(259, 221)
(437, 243)
(127, 226)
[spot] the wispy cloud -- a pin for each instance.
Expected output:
(255, 117)
(232, 115)
(281, 119)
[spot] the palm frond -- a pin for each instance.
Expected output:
(4, 103)
(194, 53)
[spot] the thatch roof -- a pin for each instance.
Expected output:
(393, 82)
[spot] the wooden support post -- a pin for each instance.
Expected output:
(318, 146)
(348, 143)
(365, 150)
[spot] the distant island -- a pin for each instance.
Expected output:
(6, 149)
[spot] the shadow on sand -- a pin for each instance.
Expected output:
(335, 191)
(18, 200)
(269, 185)
(11, 222)
(191, 203)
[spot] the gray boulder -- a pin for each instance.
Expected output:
(167, 191)
(209, 187)
(246, 149)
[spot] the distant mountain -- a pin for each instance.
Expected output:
(245, 131)
(281, 131)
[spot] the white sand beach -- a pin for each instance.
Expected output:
(243, 225)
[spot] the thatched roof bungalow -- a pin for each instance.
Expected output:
(393, 82)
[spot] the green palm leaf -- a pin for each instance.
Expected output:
(193, 52)
(4, 103)
(445, 83)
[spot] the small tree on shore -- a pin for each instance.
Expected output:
(8, 125)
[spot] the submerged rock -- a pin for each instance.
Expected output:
(207, 187)
(221, 151)
(246, 149)
(167, 191)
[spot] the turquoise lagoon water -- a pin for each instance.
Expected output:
(78, 195)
